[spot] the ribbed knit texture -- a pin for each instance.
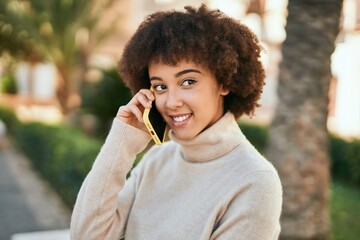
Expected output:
(215, 186)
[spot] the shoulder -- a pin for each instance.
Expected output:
(256, 182)
(247, 167)
(247, 158)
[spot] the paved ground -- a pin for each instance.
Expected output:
(27, 202)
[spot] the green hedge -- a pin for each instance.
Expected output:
(103, 99)
(345, 156)
(256, 134)
(8, 84)
(9, 118)
(62, 154)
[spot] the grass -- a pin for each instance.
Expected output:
(345, 211)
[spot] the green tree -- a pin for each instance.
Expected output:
(61, 31)
(298, 137)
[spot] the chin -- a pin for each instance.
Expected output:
(185, 137)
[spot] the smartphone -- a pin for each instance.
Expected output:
(155, 124)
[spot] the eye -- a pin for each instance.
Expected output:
(188, 82)
(159, 87)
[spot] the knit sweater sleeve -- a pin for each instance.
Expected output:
(253, 212)
(104, 200)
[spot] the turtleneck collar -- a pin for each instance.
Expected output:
(212, 143)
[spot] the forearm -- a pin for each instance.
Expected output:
(96, 211)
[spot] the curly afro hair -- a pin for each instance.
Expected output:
(207, 37)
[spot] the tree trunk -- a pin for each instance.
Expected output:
(69, 79)
(298, 138)
(63, 88)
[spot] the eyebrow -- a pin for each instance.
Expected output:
(186, 71)
(178, 74)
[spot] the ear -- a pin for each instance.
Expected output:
(224, 91)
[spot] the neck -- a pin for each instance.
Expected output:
(213, 142)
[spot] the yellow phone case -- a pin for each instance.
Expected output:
(150, 128)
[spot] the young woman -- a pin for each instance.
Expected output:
(208, 182)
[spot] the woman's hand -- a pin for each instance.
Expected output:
(132, 112)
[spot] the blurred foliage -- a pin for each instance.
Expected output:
(61, 153)
(344, 211)
(49, 29)
(14, 40)
(9, 118)
(256, 134)
(7, 78)
(103, 98)
(60, 31)
(8, 84)
(345, 156)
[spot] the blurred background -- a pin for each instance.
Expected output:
(60, 90)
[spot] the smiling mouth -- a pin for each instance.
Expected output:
(181, 118)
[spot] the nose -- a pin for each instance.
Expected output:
(173, 100)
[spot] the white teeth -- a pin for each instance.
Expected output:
(182, 118)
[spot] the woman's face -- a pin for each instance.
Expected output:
(188, 97)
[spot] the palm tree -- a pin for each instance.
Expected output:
(13, 40)
(298, 138)
(62, 32)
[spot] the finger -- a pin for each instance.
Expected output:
(124, 112)
(136, 111)
(149, 94)
(142, 99)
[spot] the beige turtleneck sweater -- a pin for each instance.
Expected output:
(216, 186)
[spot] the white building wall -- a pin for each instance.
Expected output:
(44, 80)
(346, 69)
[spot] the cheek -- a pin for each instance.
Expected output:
(205, 97)
(160, 104)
